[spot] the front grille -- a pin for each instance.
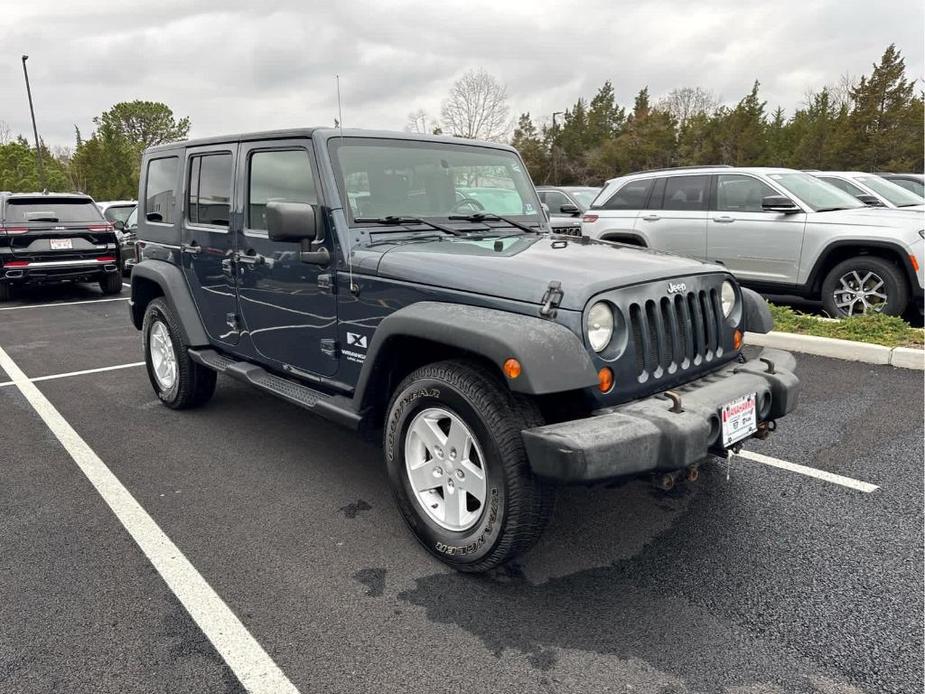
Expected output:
(675, 333)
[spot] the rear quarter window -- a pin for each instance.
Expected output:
(160, 190)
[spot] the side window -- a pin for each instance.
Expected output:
(737, 193)
(160, 196)
(283, 175)
(632, 196)
(686, 193)
(209, 197)
(555, 200)
(842, 184)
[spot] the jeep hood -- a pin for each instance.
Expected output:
(520, 268)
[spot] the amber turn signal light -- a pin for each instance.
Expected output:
(511, 368)
(605, 379)
(737, 339)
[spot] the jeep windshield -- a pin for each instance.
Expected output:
(818, 195)
(382, 179)
(892, 193)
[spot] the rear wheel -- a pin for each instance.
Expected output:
(865, 284)
(111, 283)
(457, 465)
(6, 291)
(177, 380)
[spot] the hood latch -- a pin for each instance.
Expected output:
(551, 299)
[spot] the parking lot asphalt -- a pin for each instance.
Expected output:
(768, 581)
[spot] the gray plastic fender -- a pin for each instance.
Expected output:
(757, 315)
(176, 293)
(552, 357)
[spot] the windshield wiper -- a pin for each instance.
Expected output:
(397, 221)
(837, 209)
(910, 204)
(482, 217)
(43, 219)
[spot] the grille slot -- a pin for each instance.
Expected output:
(675, 333)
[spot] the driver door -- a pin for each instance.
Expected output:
(288, 307)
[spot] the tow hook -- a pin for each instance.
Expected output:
(765, 429)
(666, 481)
(693, 473)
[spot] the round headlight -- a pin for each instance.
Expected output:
(600, 326)
(728, 297)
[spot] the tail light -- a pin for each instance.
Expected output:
(13, 230)
(16, 263)
(589, 218)
(100, 227)
(105, 259)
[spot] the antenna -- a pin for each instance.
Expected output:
(340, 113)
(354, 289)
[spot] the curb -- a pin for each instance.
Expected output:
(900, 357)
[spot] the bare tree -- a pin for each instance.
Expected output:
(687, 102)
(5, 135)
(422, 124)
(477, 108)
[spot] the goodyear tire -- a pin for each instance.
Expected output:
(178, 381)
(457, 465)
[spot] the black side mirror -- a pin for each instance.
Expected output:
(869, 200)
(779, 203)
(118, 225)
(569, 208)
(292, 221)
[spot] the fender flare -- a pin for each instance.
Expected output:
(757, 316)
(176, 293)
(552, 357)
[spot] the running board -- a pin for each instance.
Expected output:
(337, 408)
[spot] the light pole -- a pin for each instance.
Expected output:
(35, 130)
(555, 157)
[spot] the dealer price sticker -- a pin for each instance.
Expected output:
(740, 419)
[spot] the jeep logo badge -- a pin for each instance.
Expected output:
(675, 288)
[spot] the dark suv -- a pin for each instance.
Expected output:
(368, 277)
(54, 237)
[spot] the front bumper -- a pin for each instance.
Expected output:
(647, 436)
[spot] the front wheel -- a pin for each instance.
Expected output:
(865, 284)
(178, 381)
(458, 468)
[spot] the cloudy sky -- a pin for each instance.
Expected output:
(234, 66)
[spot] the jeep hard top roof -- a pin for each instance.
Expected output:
(325, 133)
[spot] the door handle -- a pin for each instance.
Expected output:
(251, 257)
(725, 219)
(651, 218)
(192, 248)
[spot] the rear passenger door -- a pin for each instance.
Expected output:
(288, 306)
(676, 218)
(754, 244)
(206, 242)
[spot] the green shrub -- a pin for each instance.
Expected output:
(875, 328)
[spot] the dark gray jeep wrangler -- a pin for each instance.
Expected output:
(412, 285)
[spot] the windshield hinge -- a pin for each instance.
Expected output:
(551, 299)
(325, 282)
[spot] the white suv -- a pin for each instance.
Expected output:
(870, 188)
(779, 231)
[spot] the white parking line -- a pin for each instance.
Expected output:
(246, 658)
(77, 373)
(63, 303)
(865, 487)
